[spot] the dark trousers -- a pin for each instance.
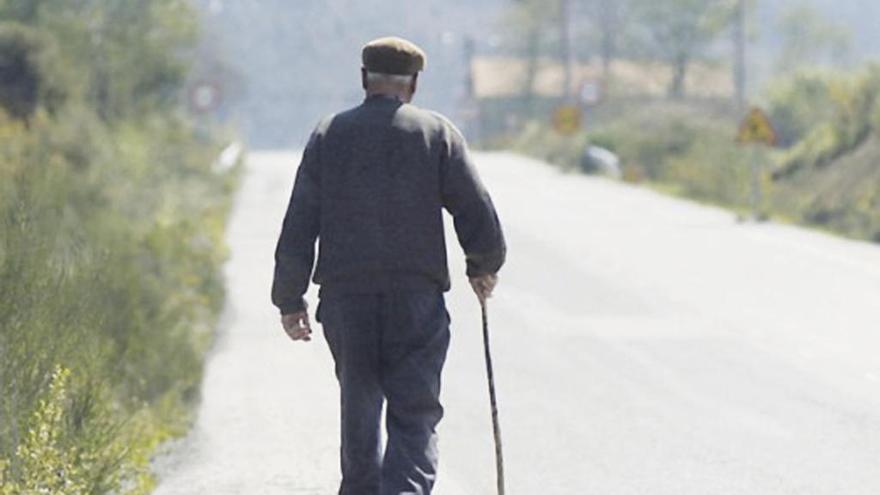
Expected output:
(388, 347)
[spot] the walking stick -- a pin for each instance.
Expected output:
(496, 428)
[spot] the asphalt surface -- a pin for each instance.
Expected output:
(643, 345)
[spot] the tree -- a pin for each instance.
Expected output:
(681, 30)
(20, 75)
(610, 19)
(529, 21)
(86, 38)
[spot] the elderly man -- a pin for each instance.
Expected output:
(372, 186)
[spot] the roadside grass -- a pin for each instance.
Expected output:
(111, 243)
(825, 175)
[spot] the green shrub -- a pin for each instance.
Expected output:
(109, 266)
(798, 104)
(648, 139)
(827, 175)
(28, 71)
(111, 243)
(71, 445)
(713, 169)
(852, 104)
(544, 143)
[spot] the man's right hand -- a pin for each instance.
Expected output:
(297, 326)
(484, 285)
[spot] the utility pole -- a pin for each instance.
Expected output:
(470, 50)
(566, 53)
(608, 13)
(739, 64)
(470, 104)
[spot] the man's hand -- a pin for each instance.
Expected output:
(297, 326)
(483, 286)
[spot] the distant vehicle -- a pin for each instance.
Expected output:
(600, 161)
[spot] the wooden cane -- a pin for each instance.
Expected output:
(496, 428)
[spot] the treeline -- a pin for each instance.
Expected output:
(111, 235)
(779, 36)
(676, 32)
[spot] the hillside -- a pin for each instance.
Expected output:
(826, 172)
(843, 195)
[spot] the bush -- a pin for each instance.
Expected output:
(852, 104)
(70, 447)
(644, 147)
(798, 104)
(111, 241)
(647, 140)
(109, 267)
(26, 79)
(827, 176)
(545, 143)
(713, 169)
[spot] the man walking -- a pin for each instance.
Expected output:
(372, 186)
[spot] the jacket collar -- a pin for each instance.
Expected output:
(382, 98)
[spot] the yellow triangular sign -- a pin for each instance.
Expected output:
(756, 129)
(567, 119)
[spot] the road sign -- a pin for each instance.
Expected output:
(591, 92)
(756, 129)
(205, 97)
(567, 119)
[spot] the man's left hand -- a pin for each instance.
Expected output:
(483, 286)
(297, 326)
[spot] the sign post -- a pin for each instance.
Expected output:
(754, 131)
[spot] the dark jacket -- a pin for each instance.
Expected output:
(372, 185)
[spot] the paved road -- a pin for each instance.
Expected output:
(644, 345)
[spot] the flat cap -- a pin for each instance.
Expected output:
(393, 55)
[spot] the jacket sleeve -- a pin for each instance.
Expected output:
(476, 221)
(295, 252)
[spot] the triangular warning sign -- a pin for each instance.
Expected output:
(567, 119)
(756, 129)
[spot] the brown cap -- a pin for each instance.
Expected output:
(393, 55)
